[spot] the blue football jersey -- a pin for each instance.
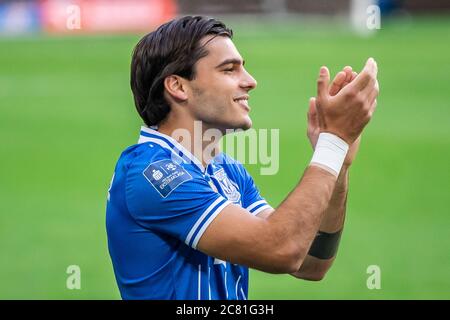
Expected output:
(160, 202)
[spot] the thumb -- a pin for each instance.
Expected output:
(322, 82)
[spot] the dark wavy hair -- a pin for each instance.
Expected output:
(172, 49)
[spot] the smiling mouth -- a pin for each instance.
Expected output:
(243, 102)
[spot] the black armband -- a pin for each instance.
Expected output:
(325, 245)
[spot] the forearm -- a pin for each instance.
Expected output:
(313, 268)
(334, 217)
(302, 210)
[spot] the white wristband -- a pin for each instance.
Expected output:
(330, 153)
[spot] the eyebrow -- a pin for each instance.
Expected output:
(231, 61)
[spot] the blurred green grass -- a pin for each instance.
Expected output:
(66, 113)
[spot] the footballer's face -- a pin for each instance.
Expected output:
(219, 94)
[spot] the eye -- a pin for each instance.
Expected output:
(229, 68)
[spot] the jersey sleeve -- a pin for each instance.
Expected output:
(172, 199)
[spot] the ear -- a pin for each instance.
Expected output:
(176, 87)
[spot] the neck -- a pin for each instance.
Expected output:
(191, 135)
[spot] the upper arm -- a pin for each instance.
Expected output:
(242, 234)
(242, 238)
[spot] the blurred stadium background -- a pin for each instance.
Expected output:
(66, 113)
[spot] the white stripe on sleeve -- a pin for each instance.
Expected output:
(202, 217)
(208, 222)
(254, 204)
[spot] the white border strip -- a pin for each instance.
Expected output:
(202, 217)
(209, 282)
(237, 282)
(208, 222)
(255, 204)
(199, 280)
(243, 294)
(259, 210)
(225, 281)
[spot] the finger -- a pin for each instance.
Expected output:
(374, 93)
(348, 73)
(322, 82)
(350, 77)
(312, 107)
(337, 83)
(369, 72)
(373, 107)
(312, 113)
(370, 88)
(308, 114)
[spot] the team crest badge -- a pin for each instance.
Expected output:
(229, 187)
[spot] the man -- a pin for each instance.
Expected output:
(185, 226)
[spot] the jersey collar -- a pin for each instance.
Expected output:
(167, 142)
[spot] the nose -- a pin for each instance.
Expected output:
(248, 82)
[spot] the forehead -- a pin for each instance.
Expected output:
(220, 48)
